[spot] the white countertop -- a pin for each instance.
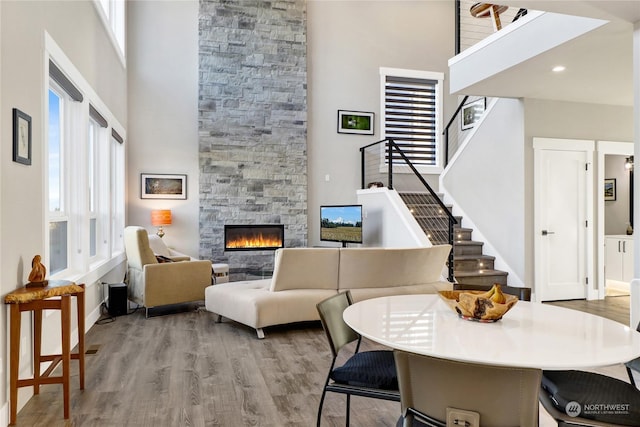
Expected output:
(529, 335)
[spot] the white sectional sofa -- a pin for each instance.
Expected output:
(303, 277)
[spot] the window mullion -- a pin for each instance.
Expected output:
(79, 203)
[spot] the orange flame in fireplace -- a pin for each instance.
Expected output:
(257, 241)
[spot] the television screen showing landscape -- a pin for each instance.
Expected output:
(341, 223)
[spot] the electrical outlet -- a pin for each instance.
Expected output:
(462, 418)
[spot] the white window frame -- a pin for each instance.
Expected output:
(117, 195)
(99, 179)
(414, 74)
(113, 16)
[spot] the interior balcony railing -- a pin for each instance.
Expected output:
(474, 21)
(384, 163)
(453, 136)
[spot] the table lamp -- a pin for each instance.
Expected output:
(159, 218)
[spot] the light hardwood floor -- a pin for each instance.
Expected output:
(183, 369)
(614, 308)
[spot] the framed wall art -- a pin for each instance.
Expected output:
(163, 186)
(21, 137)
(609, 189)
(471, 113)
(358, 122)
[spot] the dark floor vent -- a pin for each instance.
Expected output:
(93, 349)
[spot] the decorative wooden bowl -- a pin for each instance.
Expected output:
(471, 306)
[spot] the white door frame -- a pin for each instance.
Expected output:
(605, 148)
(587, 146)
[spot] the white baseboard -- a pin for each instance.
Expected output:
(4, 413)
(618, 286)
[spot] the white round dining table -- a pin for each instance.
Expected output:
(531, 334)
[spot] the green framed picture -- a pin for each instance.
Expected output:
(357, 122)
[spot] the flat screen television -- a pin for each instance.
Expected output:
(341, 223)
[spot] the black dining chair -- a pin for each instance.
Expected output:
(633, 365)
(368, 373)
(582, 398)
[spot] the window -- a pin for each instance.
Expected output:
(412, 115)
(64, 109)
(98, 184)
(117, 191)
(112, 13)
(85, 178)
(92, 164)
(56, 168)
(58, 217)
(64, 103)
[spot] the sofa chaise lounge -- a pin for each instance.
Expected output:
(302, 277)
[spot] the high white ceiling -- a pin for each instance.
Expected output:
(599, 64)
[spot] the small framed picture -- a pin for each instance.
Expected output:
(609, 189)
(358, 122)
(21, 137)
(471, 113)
(162, 186)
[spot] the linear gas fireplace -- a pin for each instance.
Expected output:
(253, 237)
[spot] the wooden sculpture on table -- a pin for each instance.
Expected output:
(38, 273)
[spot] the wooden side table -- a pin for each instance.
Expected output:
(37, 299)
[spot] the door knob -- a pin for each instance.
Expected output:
(545, 232)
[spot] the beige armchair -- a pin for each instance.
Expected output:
(152, 284)
(220, 270)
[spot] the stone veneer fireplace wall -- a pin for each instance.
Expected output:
(252, 124)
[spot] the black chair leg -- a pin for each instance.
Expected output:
(348, 408)
(630, 373)
(324, 392)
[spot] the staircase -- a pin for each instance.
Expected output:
(471, 266)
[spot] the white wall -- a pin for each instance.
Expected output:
(387, 222)
(348, 41)
(513, 198)
(484, 182)
(566, 120)
(77, 29)
(163, 110)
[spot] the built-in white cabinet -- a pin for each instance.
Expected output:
(618, 261)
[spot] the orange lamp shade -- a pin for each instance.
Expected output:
(161, 217)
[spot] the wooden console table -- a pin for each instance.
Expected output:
(37, 299)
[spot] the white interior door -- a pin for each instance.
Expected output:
(563, 218)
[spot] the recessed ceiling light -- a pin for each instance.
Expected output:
(558, 68)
